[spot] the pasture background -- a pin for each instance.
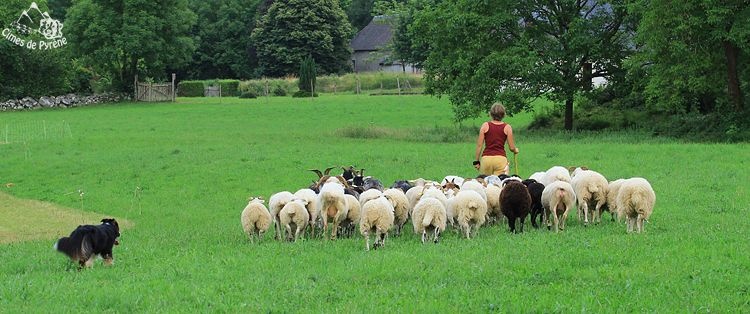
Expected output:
(199, 159)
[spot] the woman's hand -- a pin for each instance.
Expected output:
(514, 150)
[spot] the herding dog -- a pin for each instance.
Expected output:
(88, 241)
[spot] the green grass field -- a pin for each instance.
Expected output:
(196, 162)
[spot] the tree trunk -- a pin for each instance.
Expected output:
(587, 79)
(735, 93)
(569, 112)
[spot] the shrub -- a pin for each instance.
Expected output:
(190, 89)
(249, 94)
(279, 91)
(303, 93)
(230, 87)
(307, 74)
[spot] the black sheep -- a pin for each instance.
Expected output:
(403, 185)
(535, 190)
(515, 202)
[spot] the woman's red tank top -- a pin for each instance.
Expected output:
(494, 140)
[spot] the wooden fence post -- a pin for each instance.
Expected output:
(398, 84)
(135, 87)
(174, 93)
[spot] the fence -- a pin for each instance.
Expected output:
(212, 91)
(29, 131)
(154, 92)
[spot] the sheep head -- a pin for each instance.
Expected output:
(256, 199)
(451, 185)
(348, 173)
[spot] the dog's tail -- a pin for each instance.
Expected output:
(77, 245)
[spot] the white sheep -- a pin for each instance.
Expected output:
(255, 218)
(557, 199)
(429, 216)
(369, 195)
(475, 186)
(312, 206)
(377, 216)
(635, 201)
(591, 192)
(400, 207)
(275, 204)
(332, 204)
(614, 189)
(538, 176)
(294, 218)
(352, 215)
(493, 202)
(470, 210)
(555, 173)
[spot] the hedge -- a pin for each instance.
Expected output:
(190, 89)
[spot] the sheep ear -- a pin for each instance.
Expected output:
(584, 168)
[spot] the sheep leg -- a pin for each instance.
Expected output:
(367, 240)
(522, 222)
(630, 223)
(585, 205)
(465, 229)
(640, 223)
(277, 227)
(599, 209)
(424, 235)
(335, 229)
(564, 218)
(475, 232)
(512, 224)
(383, 235)
(436, 239)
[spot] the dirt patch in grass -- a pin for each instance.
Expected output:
(27, 220)
(436, 134)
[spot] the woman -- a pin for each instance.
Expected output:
(493, 135)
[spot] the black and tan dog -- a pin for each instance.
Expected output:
(88, 241)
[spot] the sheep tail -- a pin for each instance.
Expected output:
(473, 205)
(637, 199)
(427, 220)
(593, 189)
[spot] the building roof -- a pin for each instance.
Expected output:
(373, 37)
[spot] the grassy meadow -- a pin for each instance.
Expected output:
(181, 173)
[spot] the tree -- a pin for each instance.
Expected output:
(360, 13)
(224, 48)
(307, 74)
(122, 38)
(695, 53)
(514, 51)
(293, 29)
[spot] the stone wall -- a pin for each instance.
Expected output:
(64, 101)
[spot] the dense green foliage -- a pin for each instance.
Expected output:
(307, 74)
(191, 89)
(294, 29)
(124, 38)
(696, 56)
(229, 87)
(480, 53)
(359, 13)
(197, 161)
(222, 38)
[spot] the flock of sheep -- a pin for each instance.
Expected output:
(340, 204)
